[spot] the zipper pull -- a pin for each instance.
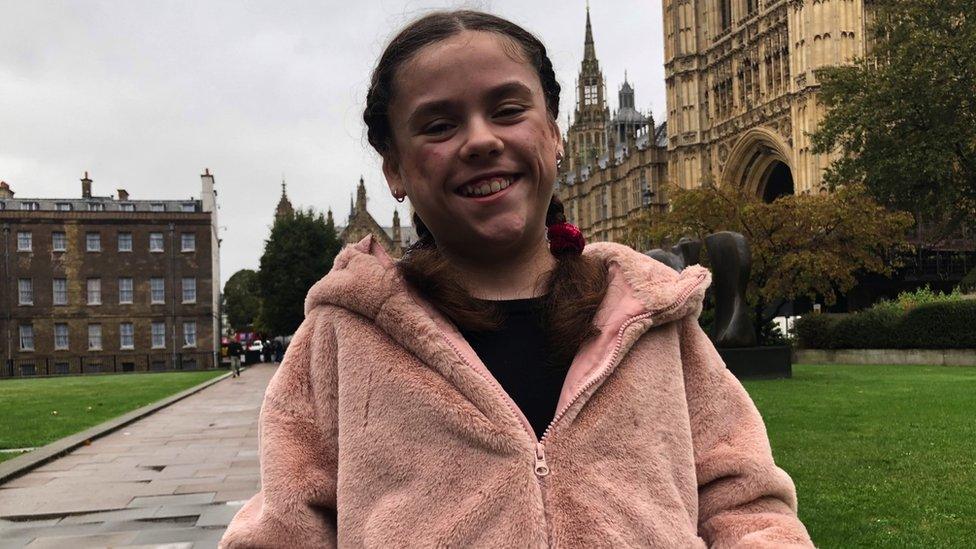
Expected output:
(541, 468)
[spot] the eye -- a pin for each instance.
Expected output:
(437, 128)
(509, 111)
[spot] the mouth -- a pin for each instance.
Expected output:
(487, 186)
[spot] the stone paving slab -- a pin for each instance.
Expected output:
(171, 479)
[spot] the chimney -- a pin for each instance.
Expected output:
(5, 191)
(208, 195)
(123, 194)
(86, 186)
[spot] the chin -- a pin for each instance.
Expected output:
(502, 235)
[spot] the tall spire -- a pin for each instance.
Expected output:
(284, 208)
(589, 49)
(361, 195)
(586, 137)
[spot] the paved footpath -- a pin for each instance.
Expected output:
(174, 478)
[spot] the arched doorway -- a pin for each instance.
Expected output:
(779, 182)
(760, 163)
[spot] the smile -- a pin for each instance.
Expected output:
(486, 187)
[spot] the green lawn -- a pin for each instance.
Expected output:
(28, 406)
(882, 456)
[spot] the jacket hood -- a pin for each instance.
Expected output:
(642, 292)
(364, 278)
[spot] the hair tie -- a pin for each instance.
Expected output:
(565, 237)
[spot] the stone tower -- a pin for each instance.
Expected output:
(628, 123)
(284, 208)
(587, 137)
(361, 223)
(742, 92)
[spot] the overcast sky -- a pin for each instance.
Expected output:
(146, 94)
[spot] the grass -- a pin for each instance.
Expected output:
(28, 406)
(882, 456)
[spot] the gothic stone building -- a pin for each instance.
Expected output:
(395, 239)
(106, 284)
(616, 164)
(742, 89)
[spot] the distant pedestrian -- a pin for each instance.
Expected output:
(235, 350)
(277, 351)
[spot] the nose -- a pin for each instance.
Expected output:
(482, 142)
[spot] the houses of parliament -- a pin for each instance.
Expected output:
(742, 99)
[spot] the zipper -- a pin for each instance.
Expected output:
(541, 466)
(613, 359)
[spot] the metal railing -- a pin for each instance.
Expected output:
(108, 364)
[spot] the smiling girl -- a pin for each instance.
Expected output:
(501, 385)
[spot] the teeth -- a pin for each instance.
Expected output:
(486, 187)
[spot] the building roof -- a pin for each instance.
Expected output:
(629, 115)
(408, 234)
(122, 203)
(101, 203)
(620, 153)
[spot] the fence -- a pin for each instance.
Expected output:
(108, 364)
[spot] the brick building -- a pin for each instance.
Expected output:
(103, 283)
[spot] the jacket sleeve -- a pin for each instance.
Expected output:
(296, 506)
(744, 499)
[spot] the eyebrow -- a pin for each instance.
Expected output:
(438, 105)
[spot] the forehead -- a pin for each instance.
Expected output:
(461, 65)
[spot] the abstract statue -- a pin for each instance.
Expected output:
(731, 262)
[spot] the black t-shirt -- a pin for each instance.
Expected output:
(516, 356)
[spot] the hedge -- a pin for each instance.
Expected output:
(945, 325)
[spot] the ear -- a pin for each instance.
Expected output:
(554, 128)
(391, 170)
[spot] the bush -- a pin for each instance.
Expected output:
(875, 328)
(950, 325)
(772, 336)
(814, 331)
(968, 283)
(922, 296)
(940, 324)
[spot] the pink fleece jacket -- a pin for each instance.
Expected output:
(382, 428)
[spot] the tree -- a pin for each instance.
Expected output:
(242, 299)
(298, 253)
(802, 245)
(903, 118)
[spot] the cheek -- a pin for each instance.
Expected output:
(429, 161)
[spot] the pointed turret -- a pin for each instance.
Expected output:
(587, 136)
(284, 208)
(628, 123)
(397, 235)
(589, 48)
(361, 195)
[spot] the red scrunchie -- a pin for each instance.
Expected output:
(565, 237)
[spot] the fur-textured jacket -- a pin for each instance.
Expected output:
(382, 428)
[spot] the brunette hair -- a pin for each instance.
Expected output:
(576, 286)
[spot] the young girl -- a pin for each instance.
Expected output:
(500, 385)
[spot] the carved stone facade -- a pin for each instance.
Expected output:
(395, 239)
(742, 89)
(615, 166)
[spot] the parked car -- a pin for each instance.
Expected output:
(256, 345)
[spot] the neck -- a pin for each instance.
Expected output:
(519, 275)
